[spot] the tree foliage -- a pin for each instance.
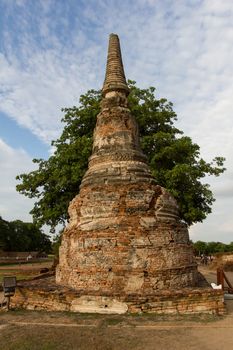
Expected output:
(208, 248)
(173, 158)
(22, 237)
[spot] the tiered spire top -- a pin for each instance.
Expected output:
(115, 76)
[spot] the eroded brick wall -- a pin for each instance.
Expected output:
(51, 297)
(124, 233)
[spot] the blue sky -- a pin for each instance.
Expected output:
(51, 51)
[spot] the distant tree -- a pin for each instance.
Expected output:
(4, 233)
(22, 236)
(200, 247)
(230, 247)
(215, 247)
(173, 158)
(208, 248)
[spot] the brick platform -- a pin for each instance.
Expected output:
(47, 295)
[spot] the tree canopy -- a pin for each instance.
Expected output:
(208, 248)
(173, 158)
(22, 237)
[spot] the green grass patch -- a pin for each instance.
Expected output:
(13, 264)
(20, 274)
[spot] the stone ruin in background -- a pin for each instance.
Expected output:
(125, 247)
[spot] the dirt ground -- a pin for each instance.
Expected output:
(27, 267)
(34, 330)
(23, 270)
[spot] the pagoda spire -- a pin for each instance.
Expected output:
(115, 76)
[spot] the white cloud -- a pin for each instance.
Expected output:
(38, 79)
(218, 225)
(34, 97)
(12, 163)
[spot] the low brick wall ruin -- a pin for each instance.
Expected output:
(46, 295)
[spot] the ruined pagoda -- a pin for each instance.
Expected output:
(124, 236)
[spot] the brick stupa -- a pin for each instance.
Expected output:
(124, 236)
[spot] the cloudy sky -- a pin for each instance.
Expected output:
(51, 51)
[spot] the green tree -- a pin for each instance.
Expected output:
(23, 236)
(5, 233)
(174, 159)
(208, 248)
(230, 247)
(200, 247)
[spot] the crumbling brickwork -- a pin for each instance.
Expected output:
(124, 234)
(44, 294)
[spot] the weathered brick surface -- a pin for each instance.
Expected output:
(126, 238)
(46, 295)
(124, 232)
(124, 235)
(115, 76)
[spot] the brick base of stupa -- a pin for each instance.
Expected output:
(45, 294)
(125, 239)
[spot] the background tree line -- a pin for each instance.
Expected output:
(22, 237)
(209, 248)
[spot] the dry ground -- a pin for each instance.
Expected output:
(35, 330)
(23, 271)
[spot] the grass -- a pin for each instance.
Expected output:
(112, 319)
(47, 260)
(96, 332)
(19, 275)
(20, 271)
